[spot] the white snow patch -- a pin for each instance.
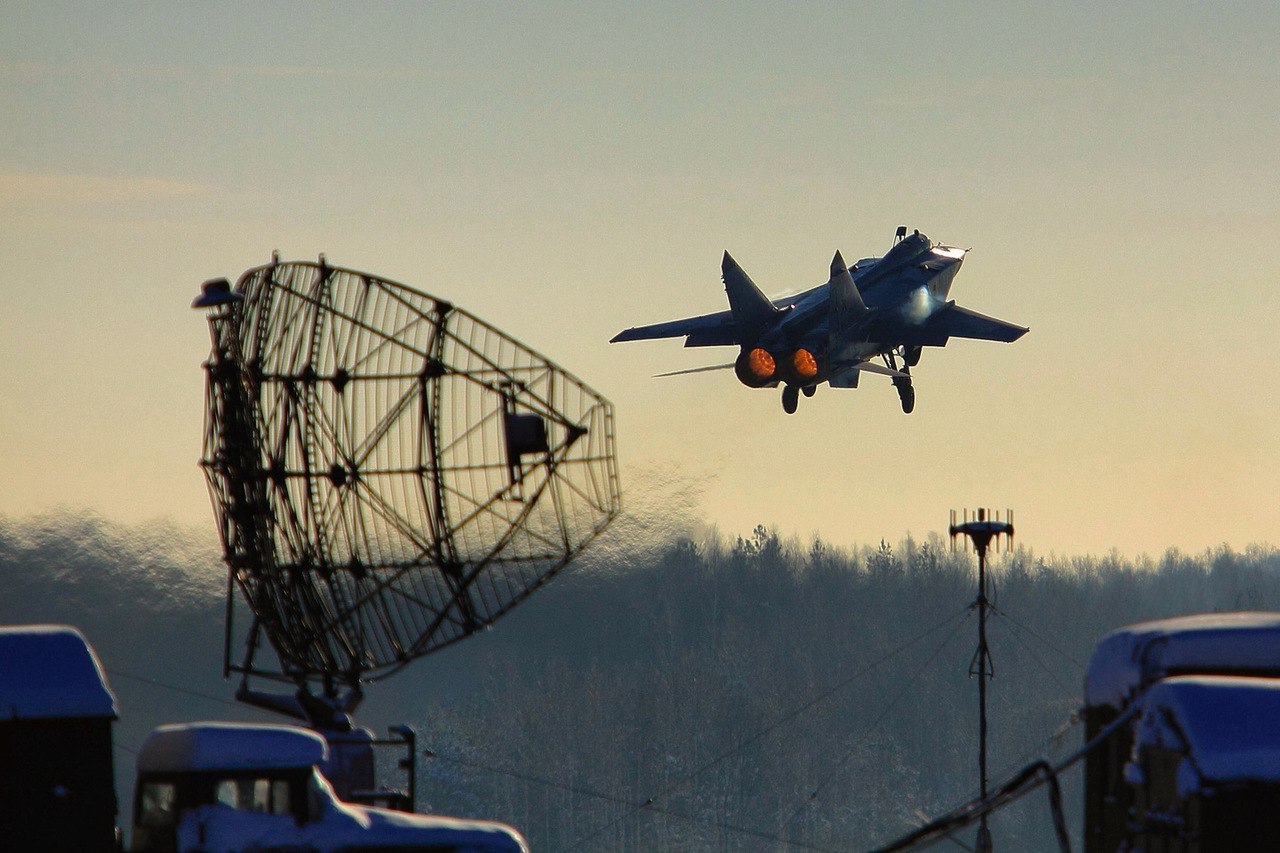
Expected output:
(1188, 779)
(207, 746)
(1228, 726)
(221, 829)
(1129, 659)
(51, 672)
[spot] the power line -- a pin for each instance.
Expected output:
(1022, 783)
(883, 713)
(1032, 632)
(648, 805)
(1057, 734)
(1053, 675)
(155, 682)
(527, 777)
(770, 728)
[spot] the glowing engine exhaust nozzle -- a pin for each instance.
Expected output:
(761, 363)
(756, 367)
(805, 364)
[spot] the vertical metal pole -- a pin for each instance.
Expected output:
(409, 737)
(984, 834)
(411, 741)
(981, 531)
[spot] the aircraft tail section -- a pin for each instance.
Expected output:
(847, 308)
(845, 298)
(751, 309)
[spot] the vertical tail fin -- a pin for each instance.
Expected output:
(844, 295)
(847, 307)
(751, 309)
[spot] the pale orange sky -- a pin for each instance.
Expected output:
(565, 172)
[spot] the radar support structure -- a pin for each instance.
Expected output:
(982, 531)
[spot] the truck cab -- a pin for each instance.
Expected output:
(1202, 745)
(57, 785)
(232, 786)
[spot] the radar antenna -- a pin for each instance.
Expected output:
(390, 474)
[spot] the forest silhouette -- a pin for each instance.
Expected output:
(751, 693)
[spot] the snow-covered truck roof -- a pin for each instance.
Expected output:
(1228, 726)
(50, 672)
(206, 747)
(338, 826)
(219, 829)
(1129, 659)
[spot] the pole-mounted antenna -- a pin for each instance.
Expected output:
(982, 530)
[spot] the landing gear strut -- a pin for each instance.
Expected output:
(790, 399)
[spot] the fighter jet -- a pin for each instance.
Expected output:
(873, 317)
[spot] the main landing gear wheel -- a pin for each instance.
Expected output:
(790, 399)
(906, 394)
(809, 389)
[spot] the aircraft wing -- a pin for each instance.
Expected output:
(708, 330)
(956, 322)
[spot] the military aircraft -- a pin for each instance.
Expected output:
(888, 308)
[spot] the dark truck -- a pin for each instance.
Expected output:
(1195, 763)
(213, 787)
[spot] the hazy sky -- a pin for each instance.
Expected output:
(565, 170)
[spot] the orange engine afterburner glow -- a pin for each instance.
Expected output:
(805, 364)
(761, 363)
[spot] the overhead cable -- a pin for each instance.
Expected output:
(766, 730)
(1022, 783)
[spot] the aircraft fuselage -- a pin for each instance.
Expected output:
(902, 290)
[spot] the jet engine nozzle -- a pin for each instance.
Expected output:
(805, 363)
(755, 367)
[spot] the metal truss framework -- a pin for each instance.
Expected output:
(389, 472)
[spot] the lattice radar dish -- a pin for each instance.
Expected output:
(389, 472)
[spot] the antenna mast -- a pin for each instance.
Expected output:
(981, 531)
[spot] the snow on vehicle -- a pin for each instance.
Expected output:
(214, 787)
(56, 710)
(1197, 765)
(229, 787)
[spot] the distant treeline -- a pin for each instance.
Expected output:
(745, 694)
